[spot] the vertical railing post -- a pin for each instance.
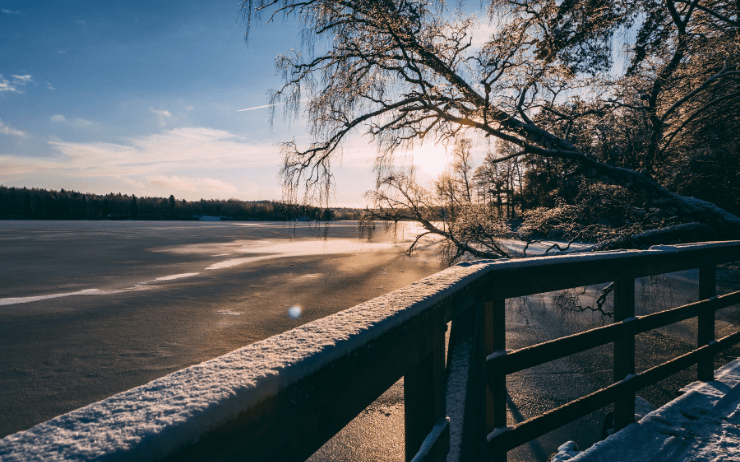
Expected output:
(496, 392)
(474, 425)
(489, 349)
(705, 334)
(424, 395)
(624, 351)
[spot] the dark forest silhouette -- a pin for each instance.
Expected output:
(40, 204)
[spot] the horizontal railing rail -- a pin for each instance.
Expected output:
(282, 398)
(511, 437)
(536, 355)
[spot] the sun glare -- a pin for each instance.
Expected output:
(294, 311)
(433, 159)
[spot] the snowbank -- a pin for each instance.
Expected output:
(703, 424)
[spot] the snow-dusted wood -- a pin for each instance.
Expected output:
(436, 445)
(424, 396)
(705, 328)
(624, 350)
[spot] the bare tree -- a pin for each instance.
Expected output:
(543, 82)
(467, 227)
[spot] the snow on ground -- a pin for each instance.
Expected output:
(36, 298)
(703, 424)
(136, 286)
(297, 249)
(151, 421)
(175, 276)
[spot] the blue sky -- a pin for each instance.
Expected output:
(145, 98)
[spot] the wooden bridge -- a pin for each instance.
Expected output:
(283, 398)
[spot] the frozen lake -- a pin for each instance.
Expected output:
(89, 309)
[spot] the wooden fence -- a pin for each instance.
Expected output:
(287, 412)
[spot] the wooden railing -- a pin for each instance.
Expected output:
(476, 308)
(622, 270)
(286, 410)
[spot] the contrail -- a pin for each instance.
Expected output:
(258, 107)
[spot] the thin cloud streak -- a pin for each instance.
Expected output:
(259, 107)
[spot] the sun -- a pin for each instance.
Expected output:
(433, 159)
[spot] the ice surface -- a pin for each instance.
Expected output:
(229, 312)
(151, 421)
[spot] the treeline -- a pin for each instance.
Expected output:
(40, 204)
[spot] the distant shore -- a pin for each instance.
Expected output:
(42, 204)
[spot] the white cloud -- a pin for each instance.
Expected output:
(15, 84)
(162, 115)
(11, 11)
(198, 161)
(76, 123)
(49, 86)
(22, 79)
(6, 86)
(80, 123)
(8, 130)
(61, 52)
(81, 22)
(180, 183)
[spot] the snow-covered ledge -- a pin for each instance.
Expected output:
(703, 424)
(151, 421)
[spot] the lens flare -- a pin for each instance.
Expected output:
(294, 311)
